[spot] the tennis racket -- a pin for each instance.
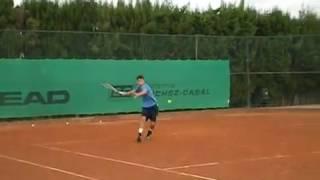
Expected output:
(109, 86)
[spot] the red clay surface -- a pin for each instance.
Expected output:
(265, 144)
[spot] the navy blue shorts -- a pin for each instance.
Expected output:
(150, 113)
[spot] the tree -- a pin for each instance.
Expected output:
(6, 9)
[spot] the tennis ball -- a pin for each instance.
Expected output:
(32, 125)
(169, 101)
(67, 123)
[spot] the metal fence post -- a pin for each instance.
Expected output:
(248, 75)
(142, 46)
(22, 50)
(196, 46)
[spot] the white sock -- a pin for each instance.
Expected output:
(140, 130)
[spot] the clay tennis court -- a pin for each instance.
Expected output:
(240, 144)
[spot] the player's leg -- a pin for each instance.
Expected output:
(153, 121)
(151, 129)
(141, 123)
(141, 126)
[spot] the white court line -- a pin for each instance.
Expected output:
(193, 165)
(125, 162)
(258, 159)
(230, 162)
(279, 156)
(98, 157)
(188, 174)
(46, 167)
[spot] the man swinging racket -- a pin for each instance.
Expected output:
(149, 105)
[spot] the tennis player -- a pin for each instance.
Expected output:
(149, 106)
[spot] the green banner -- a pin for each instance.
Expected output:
(30, 88)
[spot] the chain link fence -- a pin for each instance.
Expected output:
(266, 71)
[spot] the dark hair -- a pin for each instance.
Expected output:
(140, 77)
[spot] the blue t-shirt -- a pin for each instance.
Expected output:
(148, 100)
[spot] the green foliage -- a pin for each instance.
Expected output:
(157, 18)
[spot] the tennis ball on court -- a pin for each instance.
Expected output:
(169, 101)
(67, 123)
(32, 125)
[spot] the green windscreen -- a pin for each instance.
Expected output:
(30, 88)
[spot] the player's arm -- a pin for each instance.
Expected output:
(130, 93)
(135, 93)
(142, 93)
